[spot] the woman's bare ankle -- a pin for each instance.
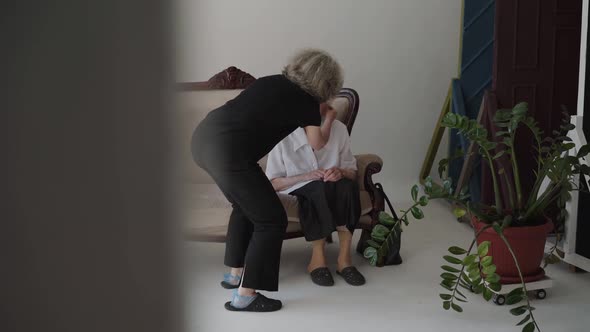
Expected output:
(344, 262)
(236, 271)
(318, 259)
(246, 291)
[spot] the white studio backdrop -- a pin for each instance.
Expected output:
(398, 54)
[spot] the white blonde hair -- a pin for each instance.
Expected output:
(316, 72)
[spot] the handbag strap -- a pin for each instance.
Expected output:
(380, 188)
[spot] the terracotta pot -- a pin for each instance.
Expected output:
(528, 244)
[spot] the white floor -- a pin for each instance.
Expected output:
(395, 298)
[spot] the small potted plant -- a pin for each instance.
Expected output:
(509, 241)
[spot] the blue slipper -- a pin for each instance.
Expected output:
(230, 281)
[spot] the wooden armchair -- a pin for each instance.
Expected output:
(204, 209)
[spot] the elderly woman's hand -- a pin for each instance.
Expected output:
(333, 174)
(318, 174)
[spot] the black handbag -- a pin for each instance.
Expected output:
(393, 256)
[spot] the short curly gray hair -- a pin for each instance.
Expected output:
(316, 72)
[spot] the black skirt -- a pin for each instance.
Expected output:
(325, 205)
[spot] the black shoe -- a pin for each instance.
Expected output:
(352, 276)
(322, 277)
(260, 304)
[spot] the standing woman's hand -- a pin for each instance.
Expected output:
(319, 136)
(328, 113)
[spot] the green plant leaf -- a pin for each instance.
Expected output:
(449, 276)
(457, 250)
(489, 269)
(447, 305)
(519, 310)
(460, 299)
(487, 294)
(497, 228)
(417, 213)
(373, 244)
(478, 289)
(464, 285)
(446, 286)
(482, 249)
(530, 327)
(447, 186)
(583, 152)
(456, 307)
(378, 238)
(371, 254)
(514, 299)
(526, 319)
(469, 259)
(501, 133)
(520, 109)
(552, 259)
(499, 154)
(474, 274)
(428, 185)
(461, 294)
(496, 287)
(568, 146)
(415, 190)
(386, 219)
(445, 296)
(423, 201)
(458, 212)
(507, 221)
(516, 291)
(493, 278)
(452, 260)
(449, 283)
(465, 278)
(486, 261)
(379, 231)
(568, 126)
(373, 260)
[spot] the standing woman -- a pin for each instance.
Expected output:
(231, 140)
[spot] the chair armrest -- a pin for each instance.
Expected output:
(367, 165)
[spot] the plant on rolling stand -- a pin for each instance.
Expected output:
(495, 254)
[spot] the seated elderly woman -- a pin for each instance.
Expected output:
(324, 183)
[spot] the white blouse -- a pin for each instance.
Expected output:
(294, 156)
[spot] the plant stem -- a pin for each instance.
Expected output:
(410, 209)
(396, 224)
(467, 254)
(537, 139)
(516, 173)
(495, 182)
(533, 198)
(510, 191)
(521, 278)
(542, 202)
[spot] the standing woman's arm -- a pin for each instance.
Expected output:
(319, 136)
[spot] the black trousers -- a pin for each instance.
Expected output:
(325, 205)
(257, 223)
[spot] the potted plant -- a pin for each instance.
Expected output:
(509, 241)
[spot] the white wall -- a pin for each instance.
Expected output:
(398, 54)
